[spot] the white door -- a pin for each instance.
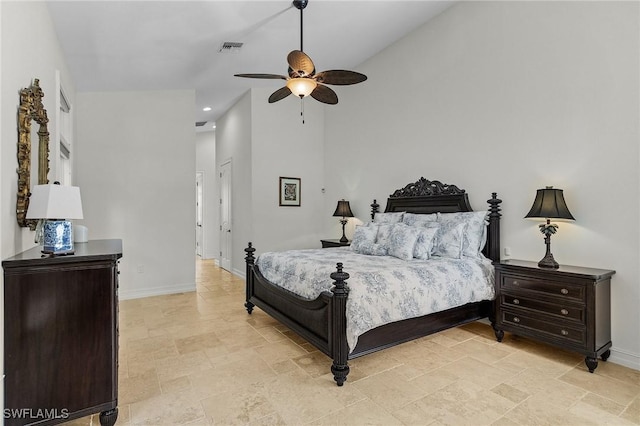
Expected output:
(199, 205)
(225, 216)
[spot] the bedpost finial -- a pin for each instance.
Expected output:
(249, 250)
(339, 277)
(494, 205)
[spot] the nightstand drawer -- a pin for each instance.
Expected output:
(516, 301)
(552, 288)
(559, 330)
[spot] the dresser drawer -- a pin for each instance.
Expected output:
(557, 330)
(547, 287)
(566, 310)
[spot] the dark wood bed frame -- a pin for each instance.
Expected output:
(322, 322)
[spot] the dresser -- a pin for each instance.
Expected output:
(61, 335)
(568, 307)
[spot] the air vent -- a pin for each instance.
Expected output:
(200, 123)
(230, 47)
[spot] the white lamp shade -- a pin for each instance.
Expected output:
(55, 202)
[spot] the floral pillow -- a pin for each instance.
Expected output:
(384, 234)
(426, 240)
(364, 241)
(413, 219)
(394, 217)
(475, 235)
(402, 241)
(449, 240)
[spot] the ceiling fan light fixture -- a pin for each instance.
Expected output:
(301, 86)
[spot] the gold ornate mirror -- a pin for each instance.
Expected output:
(31, 109)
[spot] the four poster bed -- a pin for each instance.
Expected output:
(329, 319)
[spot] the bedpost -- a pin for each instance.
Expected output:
(340, 348)
(375, 208)
(249, 278)
(494, 228)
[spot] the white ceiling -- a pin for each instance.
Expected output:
(165, 45)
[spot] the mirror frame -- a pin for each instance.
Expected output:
(31, 109)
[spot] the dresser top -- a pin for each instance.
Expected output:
(91, 250)
(562, 270)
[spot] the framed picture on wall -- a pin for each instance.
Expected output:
(290, 191)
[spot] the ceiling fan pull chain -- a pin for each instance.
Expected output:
(302, 109)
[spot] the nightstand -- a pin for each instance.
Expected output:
(568, 307)
(334, 243)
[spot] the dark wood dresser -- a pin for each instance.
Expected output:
(568, 307)
(61, 335)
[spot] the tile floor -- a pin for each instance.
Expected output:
(200, 359)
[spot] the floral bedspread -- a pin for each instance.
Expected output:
(383, 289)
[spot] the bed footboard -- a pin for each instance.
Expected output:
(322, 321)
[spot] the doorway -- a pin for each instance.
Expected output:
(199, 207)
(226, 240)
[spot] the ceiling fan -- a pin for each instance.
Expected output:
(303, 80)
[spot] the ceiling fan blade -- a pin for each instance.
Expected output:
(300, 63)
(324, 94)
(279, 94)
(340, 77)
(269, 76)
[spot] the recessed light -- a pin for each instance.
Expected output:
(213, 127)
(206, 109)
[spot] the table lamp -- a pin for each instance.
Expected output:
(549, 204)
(343, 210)
(56, 204)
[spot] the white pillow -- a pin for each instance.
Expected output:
(449, 240)
(426, 239)
(413, 219)
(475, 235)
(392, 217)
(402, 241)
(364, 241)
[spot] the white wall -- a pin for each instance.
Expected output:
(283, 146)
(233, 143)
(136, 171)
(266, 141)
(510, 97)
(206, 163)
(28, 49)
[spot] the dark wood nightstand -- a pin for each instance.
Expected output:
(334, 243)
(568, 307)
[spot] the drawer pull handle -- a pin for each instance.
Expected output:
(516, 301)
(515, 282)
(564, 312)
(564, 332)
(564, 291)
(516, 319)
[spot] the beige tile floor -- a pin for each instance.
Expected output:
(199, 359)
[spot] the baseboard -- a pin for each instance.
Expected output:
(240, 273)
(627, 359)
(156, 291)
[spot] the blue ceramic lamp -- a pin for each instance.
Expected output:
(56, 204)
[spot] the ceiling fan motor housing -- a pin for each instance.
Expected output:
(300, 4)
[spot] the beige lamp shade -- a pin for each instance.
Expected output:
(55, 202)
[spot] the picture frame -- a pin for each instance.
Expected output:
(290, 191)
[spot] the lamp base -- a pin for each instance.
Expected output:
(58, 237)
(344, 238)
(548, 262)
